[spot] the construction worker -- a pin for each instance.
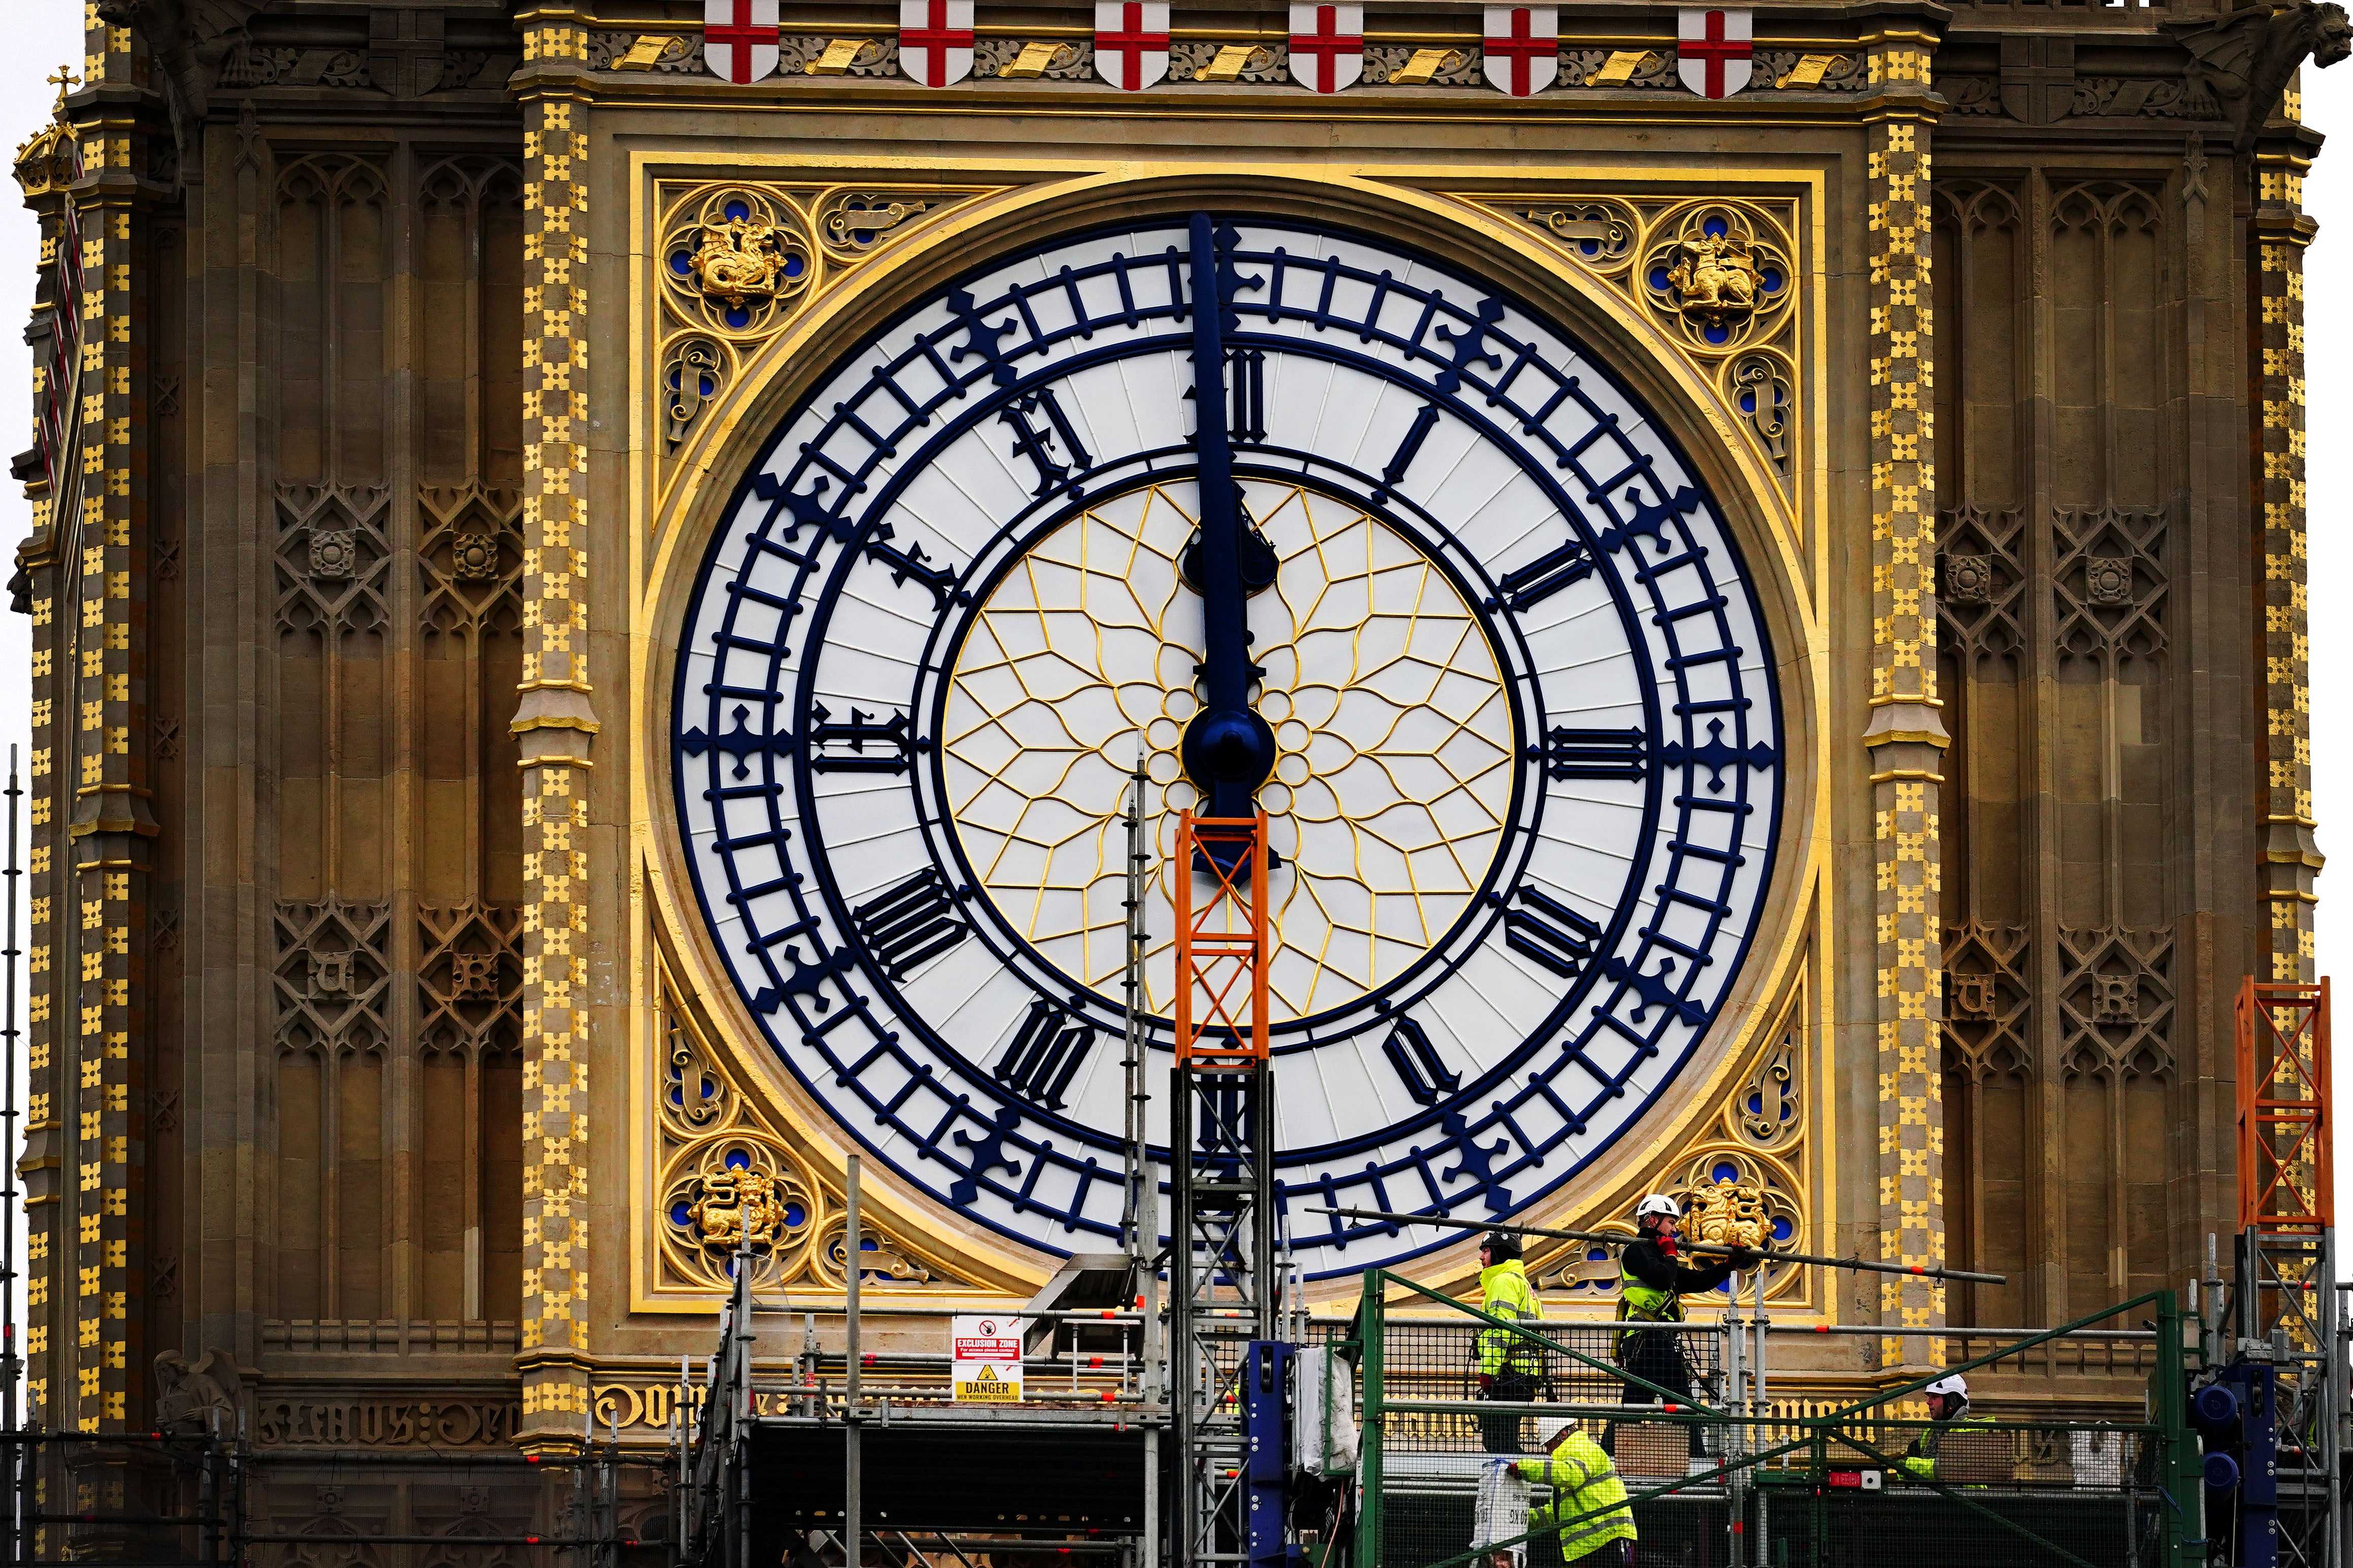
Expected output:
(1651, 1285)
(1511, 1368)
(1948, 1406)
(1588, 1501)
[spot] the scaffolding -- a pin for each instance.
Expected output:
(1224, 1290)
(2278, 1341)
(207, 1497)
(1725, 1480)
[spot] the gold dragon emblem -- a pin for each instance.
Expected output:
(739, 260)
(1715, 279)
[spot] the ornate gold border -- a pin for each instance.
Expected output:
(1780, 526)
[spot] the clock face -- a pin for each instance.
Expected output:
(1524, 763)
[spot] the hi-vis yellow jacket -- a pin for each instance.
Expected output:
(1588, 1501)
(1504, 1292)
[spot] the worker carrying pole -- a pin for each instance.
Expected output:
(1607, 1238)
(1652, 1284)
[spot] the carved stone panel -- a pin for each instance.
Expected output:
(1980, 585)
(469, 977)
(332, 561)
(2117, 1002)
(2110, 586)
(724, 1184)
(1720, 279)
(739, 258)
(1987, 1003)
(332, 968)
(468, 558)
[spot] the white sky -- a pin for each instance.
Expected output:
(49, 31)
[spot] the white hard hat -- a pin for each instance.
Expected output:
(1549, 1430)
(1955, 1385)
(1658, 1203)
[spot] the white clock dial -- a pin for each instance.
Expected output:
(1528, 758)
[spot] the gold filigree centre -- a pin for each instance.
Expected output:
(1395, 730)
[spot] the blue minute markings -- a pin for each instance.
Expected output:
(1487, 1148)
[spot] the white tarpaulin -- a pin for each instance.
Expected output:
(1503, 1511)
(1323, 1415)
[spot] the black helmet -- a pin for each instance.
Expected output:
(1503, 1244)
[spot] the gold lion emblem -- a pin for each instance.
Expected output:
(1715, 279)
(1729, 1214)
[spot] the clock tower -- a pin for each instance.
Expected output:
(606, 571)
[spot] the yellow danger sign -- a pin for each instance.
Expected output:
(986, 1388)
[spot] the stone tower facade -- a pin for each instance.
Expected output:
(373, 1046)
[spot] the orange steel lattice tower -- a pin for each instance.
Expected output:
(1225, 1290)
(2288, 1305)
(1220, 969)
(2286, 1169)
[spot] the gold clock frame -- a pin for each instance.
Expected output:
(1781, 1010)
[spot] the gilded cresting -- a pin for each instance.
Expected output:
(1906, 734)
(556, 723)
(2291, 858)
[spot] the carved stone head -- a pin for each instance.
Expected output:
(2332, 35)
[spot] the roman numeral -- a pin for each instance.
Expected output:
(1045, 1055)
(1248, 420)
(1418, 1063)
(1424, 421)
(1592, 753)
(1246, 397)
(875, 745)
(912, 564)
(1548, 574)
(909, 922)
(1550, 932)
(1038, 443)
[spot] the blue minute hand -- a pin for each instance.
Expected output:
(1228, 750)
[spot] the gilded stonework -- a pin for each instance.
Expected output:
(1715, 280)
(556, 725)
(725, 1184)
(739, 259)
(1719, 279)
(1726, 1212)
(1743, 1176)
(1906, 736)
(2291, 858)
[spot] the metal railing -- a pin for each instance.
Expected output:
(1713, 1474)
(167, 1498)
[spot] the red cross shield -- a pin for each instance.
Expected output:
(1132, 42)
(1520, 48)
(1713, 51)
(1327, 47)
(935, 40)
(739, 38)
